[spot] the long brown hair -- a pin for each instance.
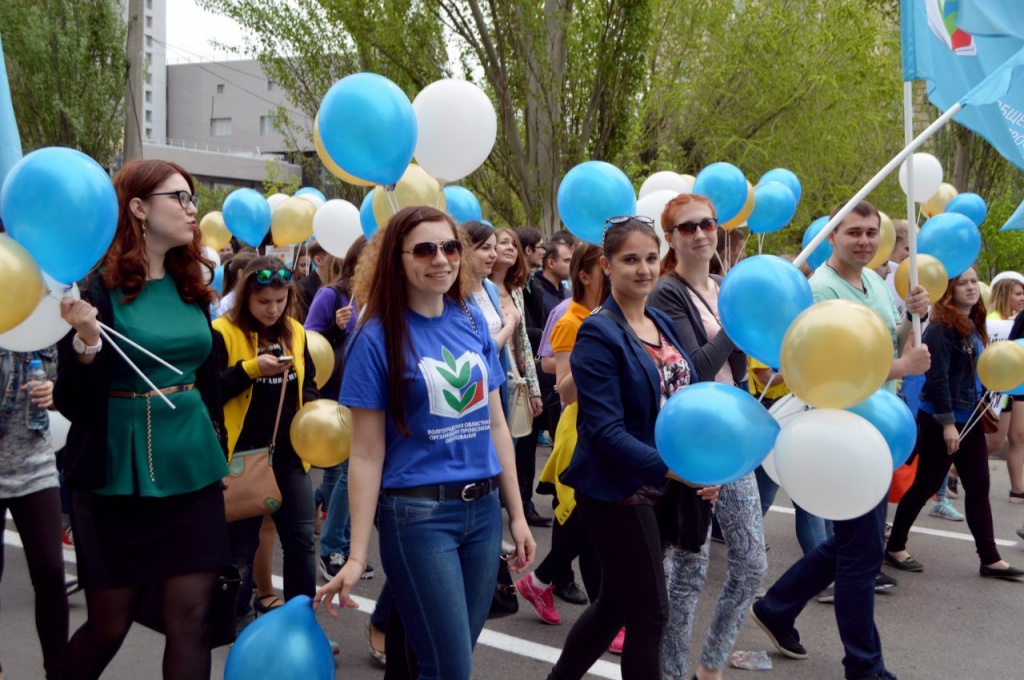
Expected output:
(670, 260)
(126, 264)
(388, 298)
(584, 258)
(515, 276)
(246, 286)
(946, 313)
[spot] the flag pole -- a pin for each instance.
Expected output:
(908, 135)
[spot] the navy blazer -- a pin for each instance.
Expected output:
(619, 390)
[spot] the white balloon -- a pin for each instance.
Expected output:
(44, 326)
(652, 206)
(768, 464)
(783, 410)
(312, 198)
(833, 463)
(665, 180)
(59, 427)
(457, 127)
(275, 200)
(336, 226)
(210, 254)
(927, 176)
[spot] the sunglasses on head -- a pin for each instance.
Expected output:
(184, 197)
(265, 276)
(623, 219)
(427, 250)
(708, 224)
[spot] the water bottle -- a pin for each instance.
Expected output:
(36, 417)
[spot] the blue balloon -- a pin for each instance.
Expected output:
(759, 298)
(712, 433)
(820, 254)
(367, 220)
(368, 127)
(591, 193)
(1017, 391)
(463, 206)
(218, 279)
(774, 207)
(787, 177)
(725, 186)
(971, 206)
(247, 216)
(951, 238)
(287, 642)
(892, 417)
(61, 206)
(311, 190)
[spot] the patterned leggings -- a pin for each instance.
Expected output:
(738, 510)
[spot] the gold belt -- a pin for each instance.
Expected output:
(174, 389)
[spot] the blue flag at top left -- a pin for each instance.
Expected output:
(10, 141)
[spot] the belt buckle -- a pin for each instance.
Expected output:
(468, 488)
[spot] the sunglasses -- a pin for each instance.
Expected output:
(427, 250)
(708, 224)
(184, 198)
(623, 219)
(265, 276)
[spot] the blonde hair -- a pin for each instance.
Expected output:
(1002, 292)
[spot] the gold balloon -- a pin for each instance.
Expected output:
(886, 242)
(931, 274)
(215, 232)
(329, 163)
(836, 354)
(937, 203)
(323, 357)
(23, 286)
(748, 208)
(986, 294)
(1001, 366)
(292, 221)
(415, 188)
(321, 433)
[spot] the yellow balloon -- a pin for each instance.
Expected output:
(937, 203)
(886, 242)
(748, 208)
(323, 357)
(836, 354)
(1001, 366)
(215, 232)
(292, 221)
(986, 294)
(329, 163)
(931, 275)
(23, 286)
(415, 188)
(321, 433)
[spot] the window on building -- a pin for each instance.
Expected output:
(149, 58)
(149, 78)
(149, 4)
(220, 127)
(266, 126)
(220, 88)
(149, 116)
(149, 22)
(149, 133)
(149, 41)
(270, 86)
(149, 96)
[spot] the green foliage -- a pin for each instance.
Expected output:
(67, 68)
(211, 199)
(277, 181)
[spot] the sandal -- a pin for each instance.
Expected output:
(378, 655)
(260, 607)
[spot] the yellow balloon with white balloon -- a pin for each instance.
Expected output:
(321, 433)
(937, 203)
(23, 285)
(415, 187)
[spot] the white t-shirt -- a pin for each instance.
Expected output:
(493, 316)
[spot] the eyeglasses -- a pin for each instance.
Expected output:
(427, 250)
(623, 219)
(265, 276)
(708, 224)
(184, 198)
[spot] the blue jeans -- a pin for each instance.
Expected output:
(810, 529)
(335, 535)
(441, 560)
(851, 558)
(323, 494)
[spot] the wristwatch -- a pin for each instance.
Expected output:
(82, 348)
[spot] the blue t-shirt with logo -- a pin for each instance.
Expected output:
(452, 368)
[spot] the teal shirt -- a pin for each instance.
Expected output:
(827, 284)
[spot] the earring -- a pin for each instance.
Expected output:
(144, 228)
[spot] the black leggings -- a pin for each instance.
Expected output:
(633, 593)
(568, 541)
(932, 467)
(37, 517)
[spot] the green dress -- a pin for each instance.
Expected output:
(178, 452)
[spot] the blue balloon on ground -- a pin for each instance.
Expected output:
(218, 279)
(368, 127)
(760, 297)
(725, 186)
(591, 193)
(61, 206)
(953, 239)
(712, 433)
(892, 417)
(774, 207)
(787, 177)
(287, 642)
(367, 220)
(247, 216)
(311, 190)
(463, 206)
(820, 254)
(971, 206)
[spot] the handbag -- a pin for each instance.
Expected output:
(250, 489)
(505, 601)
(902, 479)
(224, 601)
(520, 418)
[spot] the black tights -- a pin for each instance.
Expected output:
(186, 619)
(37, 517)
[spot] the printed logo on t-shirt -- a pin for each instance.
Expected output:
(455, 386)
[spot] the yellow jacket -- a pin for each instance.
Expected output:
(558, 461)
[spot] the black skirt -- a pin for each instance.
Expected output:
(124, 541)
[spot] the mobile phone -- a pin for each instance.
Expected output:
(286, 358)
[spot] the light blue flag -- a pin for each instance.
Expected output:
(1016, 221)
(10, 142)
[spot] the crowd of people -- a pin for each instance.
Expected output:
(458, 349)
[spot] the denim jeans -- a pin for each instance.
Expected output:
(441, 559)
(335, 535)
(322, 494)
(810, 529)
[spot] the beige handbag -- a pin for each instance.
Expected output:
(520, 419)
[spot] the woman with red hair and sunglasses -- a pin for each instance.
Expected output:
(145, 479)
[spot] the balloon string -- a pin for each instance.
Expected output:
(728, 254)
(156, 390)
(766, 386)
(760, 243)
(138, 347)
(972, 421)
(392, 199)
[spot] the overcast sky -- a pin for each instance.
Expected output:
(190, 30)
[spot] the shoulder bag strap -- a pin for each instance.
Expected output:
(699, 297)
(277, 421)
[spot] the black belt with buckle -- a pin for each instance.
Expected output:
(442, 492)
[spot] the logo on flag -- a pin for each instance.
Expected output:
(942, 19)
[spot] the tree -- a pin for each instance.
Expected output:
(66, 65)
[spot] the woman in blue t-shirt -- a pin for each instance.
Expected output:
(430, 446)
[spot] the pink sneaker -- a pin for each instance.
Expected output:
(616, 646)
(67, 538)
(541, 599)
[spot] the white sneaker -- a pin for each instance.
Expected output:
(944, 510)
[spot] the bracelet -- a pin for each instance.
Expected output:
(359, 562)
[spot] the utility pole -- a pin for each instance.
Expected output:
(133, 92)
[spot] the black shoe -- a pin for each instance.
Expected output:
(909, 564)
(884, 582)
(787, 641)
(879, 675)
(332, 564)
(1010, 573)
(571, 593)
(535, 519)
